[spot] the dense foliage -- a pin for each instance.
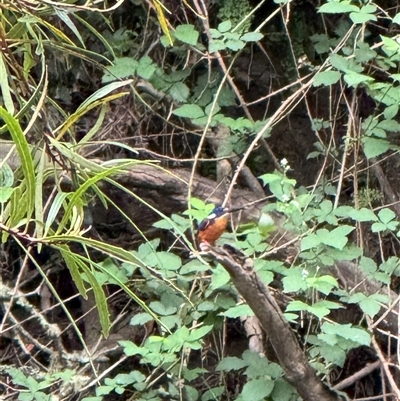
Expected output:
(124, 124)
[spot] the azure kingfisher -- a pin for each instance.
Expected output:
(212, 227)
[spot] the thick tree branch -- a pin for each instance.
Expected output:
(290, 355)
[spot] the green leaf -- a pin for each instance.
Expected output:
(237, 311)
(252, 37)
(374, 147)
(335, 238)
(294, 280)
(258, 389)
(396, 19)
(354, 79)
(4, 86)
(389, 125)
(169, 261)
(101, 301)
(282, 391)
(216, 45)
(336, 7)
(189, 111)
(386, 215)
(199, 333)
(225, 26)
(235, 45)
(391, 111)
(310, 241)
(140, 319)
(123, 67)
(179, 91)
(231, 363)
(361, 18)
(146, 67)
(346, 331)
(24, 152)
(326, 78)
(100, 94)
(363, 215)
(187, 33)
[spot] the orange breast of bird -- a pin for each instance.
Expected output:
(212, 229)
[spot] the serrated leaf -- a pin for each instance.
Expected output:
(216, 45)
(187, 33)
(374, 147)
(335, 238)
(179, 91)
(231, 363)
(363, 215)
(189, 111)
(258, 389)
(370, 306)
(362, 17)
(310, 241)
(146, 67)
(123, 67)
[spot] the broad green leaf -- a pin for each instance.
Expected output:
(123, 67)
(237, 311)
(235, 45)
(231, 363)
(187, 33)
(326, 78)
(282, 391)
(363, 215)
(294, 280)
(336, 7)
(258, 389)
(363, 15)
(391, 111)
(199, 333)
(396, 19)
(179, 91)
(161, 309)
(168, 261)
(374, 147)
(386, 215)
(146, 68)
(225, 26)
(335, 238)
(189, 111)
(354, 79)
(252, 37)
(310, 241)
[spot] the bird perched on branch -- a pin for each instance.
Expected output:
(212, 227)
